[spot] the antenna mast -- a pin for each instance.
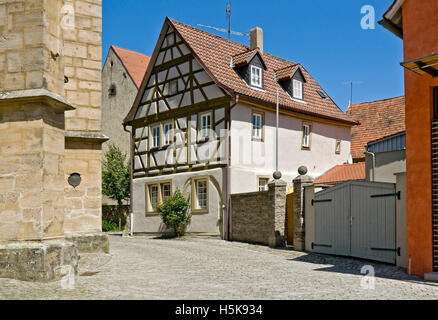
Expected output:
(351, 89)
(229, 31)
(229, 19)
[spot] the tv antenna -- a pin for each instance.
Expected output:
(351, 83)
(229, 31)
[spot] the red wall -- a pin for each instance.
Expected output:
(420, 35)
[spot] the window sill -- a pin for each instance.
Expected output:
(306, 148)
(257, 139)
(199, 211)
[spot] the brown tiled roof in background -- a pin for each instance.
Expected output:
(344, 172)
(135, 63)
(215, 53)
(377, 119)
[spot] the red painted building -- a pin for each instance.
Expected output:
(416, 23)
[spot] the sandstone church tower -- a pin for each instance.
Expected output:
(50, 135)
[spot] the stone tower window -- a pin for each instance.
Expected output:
(112, 90)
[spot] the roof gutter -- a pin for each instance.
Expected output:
(318, 115)
(392, 19)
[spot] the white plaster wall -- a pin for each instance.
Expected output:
(250, 159)
(205, 222)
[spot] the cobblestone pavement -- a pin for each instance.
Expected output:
(209, 268)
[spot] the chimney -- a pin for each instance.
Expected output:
(256, 37)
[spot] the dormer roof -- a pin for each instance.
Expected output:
(244, 58)
(288, 72)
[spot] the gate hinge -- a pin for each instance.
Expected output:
(397, 194)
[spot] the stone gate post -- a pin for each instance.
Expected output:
(277, 200)
(300, 182)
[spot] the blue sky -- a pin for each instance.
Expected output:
(324, 36)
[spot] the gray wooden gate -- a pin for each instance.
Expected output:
(357, 219)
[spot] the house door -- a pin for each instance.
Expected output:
(290, 218)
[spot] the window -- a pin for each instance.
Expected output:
(168, 137)
(153, 196)
(306, 136)
(156, 193)
(173, 87)
(155, 133)
(205, 126)
(338, 147)
(263, 184)
(257, 126)
(166, 191)
(298, 89)
(201, 194)
(256, 76)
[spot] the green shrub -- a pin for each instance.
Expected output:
(108, 226)
(175, 213)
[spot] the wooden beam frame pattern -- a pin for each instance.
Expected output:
(190, 84)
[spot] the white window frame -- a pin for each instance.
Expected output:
(338, 147)
(204, 194)
(151, 187)
(297, 89)
(256, 80)
(196, 208)
(151, 208)
(257, 129)
(204, 131)
(155, 139)
(263, 187)
(305, 142)
(168, 137)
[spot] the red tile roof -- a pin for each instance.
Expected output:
(344, 172)
(214, 54)
(245, 57)
(135, 63)
(377, 119)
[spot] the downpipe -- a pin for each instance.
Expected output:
(374, 164)
(131, 188)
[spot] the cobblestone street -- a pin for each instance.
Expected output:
(208, 268)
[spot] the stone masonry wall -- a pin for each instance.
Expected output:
(83, 65)
(259, 217)
(83, 60)
(31, 172)
(84, 203)
(31, 45)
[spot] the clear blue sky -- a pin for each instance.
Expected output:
(324, 36)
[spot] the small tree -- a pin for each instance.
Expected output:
(175, 213)
(115, 175)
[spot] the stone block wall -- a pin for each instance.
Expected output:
(259, 217)
(31, 45)
(83, 203)
(83, 64)
(31, 171)
(83, 155)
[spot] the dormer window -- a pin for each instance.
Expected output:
(297, 89)
(256, 76)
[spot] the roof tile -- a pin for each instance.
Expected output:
(135, 63)
(377, 119)
(344, 172)
(215, 54)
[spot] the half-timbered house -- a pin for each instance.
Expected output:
(204, 122)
